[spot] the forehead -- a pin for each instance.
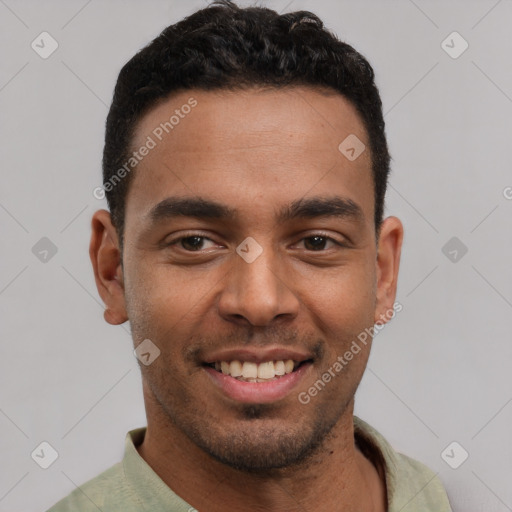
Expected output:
(313, 118)
(273, 146)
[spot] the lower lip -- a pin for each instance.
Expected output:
(258, 392)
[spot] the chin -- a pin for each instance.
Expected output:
(259, 445)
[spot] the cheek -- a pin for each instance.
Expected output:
(345, 296)
(342, 306)
(162, 304)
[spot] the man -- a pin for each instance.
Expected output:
(245, 167)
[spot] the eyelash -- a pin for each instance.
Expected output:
(199, 235)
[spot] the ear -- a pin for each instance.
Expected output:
(105, 256)
(388, 261)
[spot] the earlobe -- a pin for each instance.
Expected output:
(105, 255)
(388, 263)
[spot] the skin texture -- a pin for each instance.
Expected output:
(254, 151)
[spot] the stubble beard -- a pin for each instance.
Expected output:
(260, 443)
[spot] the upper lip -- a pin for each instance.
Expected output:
(259, 355)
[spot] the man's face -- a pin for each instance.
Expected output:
(195, 290)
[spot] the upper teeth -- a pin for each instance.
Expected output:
(249, 370)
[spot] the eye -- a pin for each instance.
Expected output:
(190, 243)
(318, 241)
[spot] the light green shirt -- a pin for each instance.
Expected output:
(131, 485)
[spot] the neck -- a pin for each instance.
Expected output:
(337, 477)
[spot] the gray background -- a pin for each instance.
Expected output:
(439, 372)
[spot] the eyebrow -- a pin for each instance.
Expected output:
(313, 207)
(197, 207)
(310, 208)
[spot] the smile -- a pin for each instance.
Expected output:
(257, 378)
(248, 371)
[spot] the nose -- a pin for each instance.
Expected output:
(258, 292)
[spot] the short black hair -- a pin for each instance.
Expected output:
(224, 46)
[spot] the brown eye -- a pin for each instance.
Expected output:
(192, 243)
(316, 243)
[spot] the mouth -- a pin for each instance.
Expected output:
(249, 371)
(248, 377)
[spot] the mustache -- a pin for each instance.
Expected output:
(276, 336)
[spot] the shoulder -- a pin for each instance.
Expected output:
(417, 487)
(410, 484)
(112, 490)
(105, 492)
